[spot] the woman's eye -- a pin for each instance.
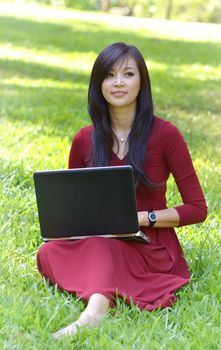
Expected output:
(129, 74)
(109, 75)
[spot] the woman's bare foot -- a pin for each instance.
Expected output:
(71, 329)
(91, 316)
(84, 320)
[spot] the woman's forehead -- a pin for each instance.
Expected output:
(124, 63)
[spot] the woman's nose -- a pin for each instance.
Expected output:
(119, 80)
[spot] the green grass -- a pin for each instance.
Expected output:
(45, 61)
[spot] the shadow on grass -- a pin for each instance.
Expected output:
(62, 112)
(53, 105)
(82, 36)
(42, 98)
(10, 68)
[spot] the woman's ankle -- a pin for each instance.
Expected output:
(90, 318)
(98, 304)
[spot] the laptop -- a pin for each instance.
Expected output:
(84, 202)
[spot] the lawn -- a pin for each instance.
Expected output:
(45, 60)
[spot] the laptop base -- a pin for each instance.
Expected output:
(137, 237)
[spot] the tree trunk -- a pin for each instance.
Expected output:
(104, 5)
(169, 8)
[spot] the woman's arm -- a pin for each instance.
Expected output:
(179, 163)
(165, 218)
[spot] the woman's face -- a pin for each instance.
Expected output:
(121, 86)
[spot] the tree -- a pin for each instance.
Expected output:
(104, 5)
(169, 7)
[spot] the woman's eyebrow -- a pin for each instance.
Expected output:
(129, 68)
(123, 68)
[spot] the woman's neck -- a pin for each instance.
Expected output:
(122, 118)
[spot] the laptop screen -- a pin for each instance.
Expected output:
(86, 201)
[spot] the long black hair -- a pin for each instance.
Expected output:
(102, 137)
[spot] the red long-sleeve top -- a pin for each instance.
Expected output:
(167, 153)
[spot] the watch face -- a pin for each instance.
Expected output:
(152, 217)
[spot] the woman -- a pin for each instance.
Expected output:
(125, 131)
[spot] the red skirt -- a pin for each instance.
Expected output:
(147, 274)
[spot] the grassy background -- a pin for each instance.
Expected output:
(45, 61)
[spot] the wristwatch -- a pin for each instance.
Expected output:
(152, 218)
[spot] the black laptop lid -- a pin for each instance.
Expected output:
(86, 201)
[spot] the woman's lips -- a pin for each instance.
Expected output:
(119, 93)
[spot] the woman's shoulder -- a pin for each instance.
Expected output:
(164, 128)
(84, 133)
